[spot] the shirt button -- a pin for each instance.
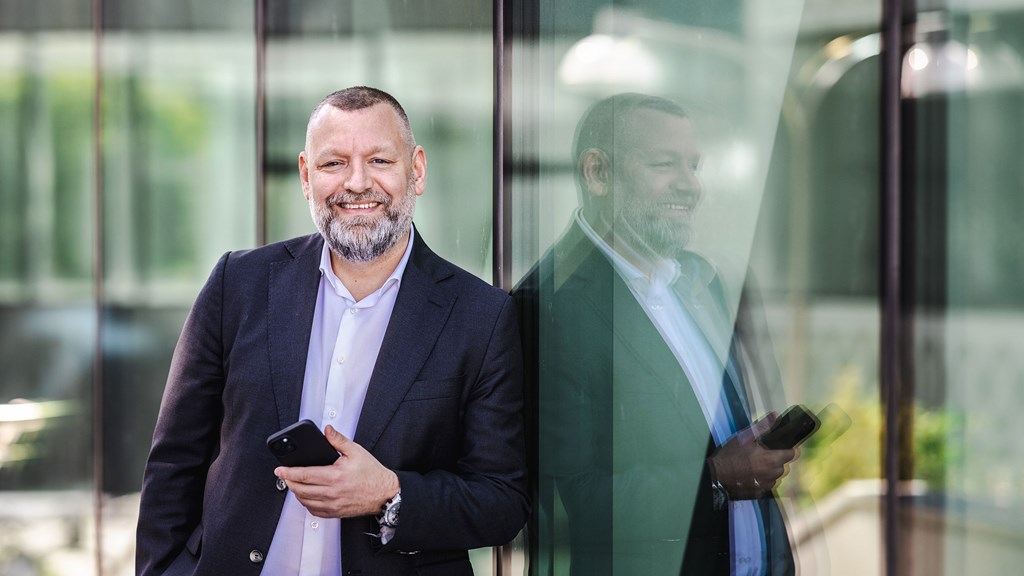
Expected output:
(314, 524)
(332, 414)
(281, 485)
(341, 359)
(256, 557)
(353, 310)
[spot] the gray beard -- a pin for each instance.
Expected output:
(362, 239)
(652, 234)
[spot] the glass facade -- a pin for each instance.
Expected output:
(849, 232)
(782, 173)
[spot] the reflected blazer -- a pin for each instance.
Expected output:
(624, 440)
(443, 409)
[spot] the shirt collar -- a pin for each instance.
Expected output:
(661, 272)
(327, 272)
(692, 271)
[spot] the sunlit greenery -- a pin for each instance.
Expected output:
(827, 461)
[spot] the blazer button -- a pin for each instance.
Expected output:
(256, 557)
(281, 485)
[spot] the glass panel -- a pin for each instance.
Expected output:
(179, 158)
(686, 270)
(964, 82)
(47, 317)
(436, 59)
(317, 47)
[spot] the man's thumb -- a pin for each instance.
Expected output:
(764, 424)
(337, 439)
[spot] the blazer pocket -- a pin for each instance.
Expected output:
(435, 388)
(187, 560)
(194, 544)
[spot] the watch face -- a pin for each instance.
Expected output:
(390, 516)
(720, 498)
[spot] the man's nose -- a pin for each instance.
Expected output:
(358, 178)
(688, 180)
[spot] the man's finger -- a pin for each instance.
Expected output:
(291, 473)
(338, 440)
(763, 425)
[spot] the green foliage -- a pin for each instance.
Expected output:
(827, 461)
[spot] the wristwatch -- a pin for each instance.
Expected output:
(389, 512)
(720, 495)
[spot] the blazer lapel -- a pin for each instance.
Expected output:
(292, 292)
(420, 313)
(615, 306)
(636, 333)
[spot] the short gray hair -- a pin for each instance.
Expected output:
(359, 98)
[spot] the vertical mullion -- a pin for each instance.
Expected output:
(98, 271)
(500, 269)
(261, 70)
(501, 231)
(895, 209)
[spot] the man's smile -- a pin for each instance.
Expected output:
(360, 206)
(680, 207)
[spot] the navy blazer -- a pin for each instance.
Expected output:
(443, 409)
(624, 440)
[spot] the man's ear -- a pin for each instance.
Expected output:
(596, 170)
(304, 174)
(419, 170)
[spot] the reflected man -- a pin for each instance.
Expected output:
(643, 375)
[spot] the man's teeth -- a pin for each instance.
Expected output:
(359, 206)
(678, 207)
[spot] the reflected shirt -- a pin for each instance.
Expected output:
(699, 338)
(343, 345)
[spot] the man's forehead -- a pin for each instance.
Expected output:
(380, 111)
(656, 129)
(382, 122)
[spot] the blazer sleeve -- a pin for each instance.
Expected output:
(186, 436)
(484, 501)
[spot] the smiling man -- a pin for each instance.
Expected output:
(411, 366)
(641, 374)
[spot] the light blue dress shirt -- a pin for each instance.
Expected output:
(699, 339)
(343, 345)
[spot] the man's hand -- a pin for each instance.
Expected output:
(355, 485)
(747, 469)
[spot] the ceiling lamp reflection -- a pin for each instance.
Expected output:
(601, 60)
(940, 64)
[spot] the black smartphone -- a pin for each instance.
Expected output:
(790, 429)
(302, 444)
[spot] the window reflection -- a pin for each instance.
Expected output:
(767, 213)
(783, 95)
(47, 322)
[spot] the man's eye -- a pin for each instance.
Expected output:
(380, 162)
(331, 164)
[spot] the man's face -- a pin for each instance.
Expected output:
(655, 189)
(361, 180)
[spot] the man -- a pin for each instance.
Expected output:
(643, 375)
(411, 365)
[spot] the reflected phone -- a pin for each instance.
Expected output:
(834, 423)
(302, 444)
(794, 426)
